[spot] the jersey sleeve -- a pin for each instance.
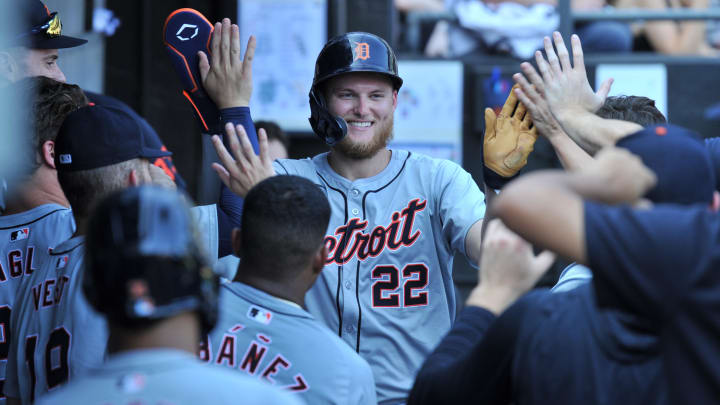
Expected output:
(280, 168)
(206, 223)
(645, 260)
(460, 205)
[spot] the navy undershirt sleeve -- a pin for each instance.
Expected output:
(713, 146)
(473, 363)
(230, 203)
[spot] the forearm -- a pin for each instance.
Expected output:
(571, 156)
(593, 133)
(495, 300)
(230, 203)
(549, 199)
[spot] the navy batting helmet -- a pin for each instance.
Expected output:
(144, 261)
(351, 52)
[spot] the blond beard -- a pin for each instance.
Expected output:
(359, 151)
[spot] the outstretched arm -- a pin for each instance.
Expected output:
(546, 207)
(568, 93)
(471, 364)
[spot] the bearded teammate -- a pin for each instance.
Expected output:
(146, 273)
(397, 217)
(263, 331)
(38, 216)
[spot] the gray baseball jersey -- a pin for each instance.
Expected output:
(278, 342)
(387, 287)
(59, 335)
(25, 238)
(164, 376)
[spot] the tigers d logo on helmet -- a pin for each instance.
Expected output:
(361, 51)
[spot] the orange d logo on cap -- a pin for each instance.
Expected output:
(362, 51)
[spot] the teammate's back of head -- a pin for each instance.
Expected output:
(637, 109)
(50, 102)
(144, 261)
(283, 225)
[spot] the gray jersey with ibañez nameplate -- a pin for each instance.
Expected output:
(278, 342)
(387, 287)
(164, 376)
(25, 238)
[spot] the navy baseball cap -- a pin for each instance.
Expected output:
(97, 136)
(40, 29)
(680, 160)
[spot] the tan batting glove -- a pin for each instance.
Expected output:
(508, 137)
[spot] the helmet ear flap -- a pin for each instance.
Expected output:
(330, 128)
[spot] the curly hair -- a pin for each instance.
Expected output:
(637, 109)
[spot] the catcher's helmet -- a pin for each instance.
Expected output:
(351, 52)
(144, 262)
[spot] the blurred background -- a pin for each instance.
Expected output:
(456, 58)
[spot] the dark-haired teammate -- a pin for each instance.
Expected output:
(264, 330)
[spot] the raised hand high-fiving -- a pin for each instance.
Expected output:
(564, 86)
(242, 169)
(226, 78)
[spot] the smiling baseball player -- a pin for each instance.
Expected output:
(397, 218)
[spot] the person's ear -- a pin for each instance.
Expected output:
(134, 179)
(48, 153)
(236, 241)
(715, 207)
(318, 261)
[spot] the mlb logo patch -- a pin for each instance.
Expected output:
(66, 158)
(62, 262)
(260, 315)
(19, 234)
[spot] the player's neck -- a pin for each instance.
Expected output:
(290, 291)
(180, 332)
(353, 169)
(41, 188)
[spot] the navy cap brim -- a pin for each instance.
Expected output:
(151, 153)
(61, 42)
